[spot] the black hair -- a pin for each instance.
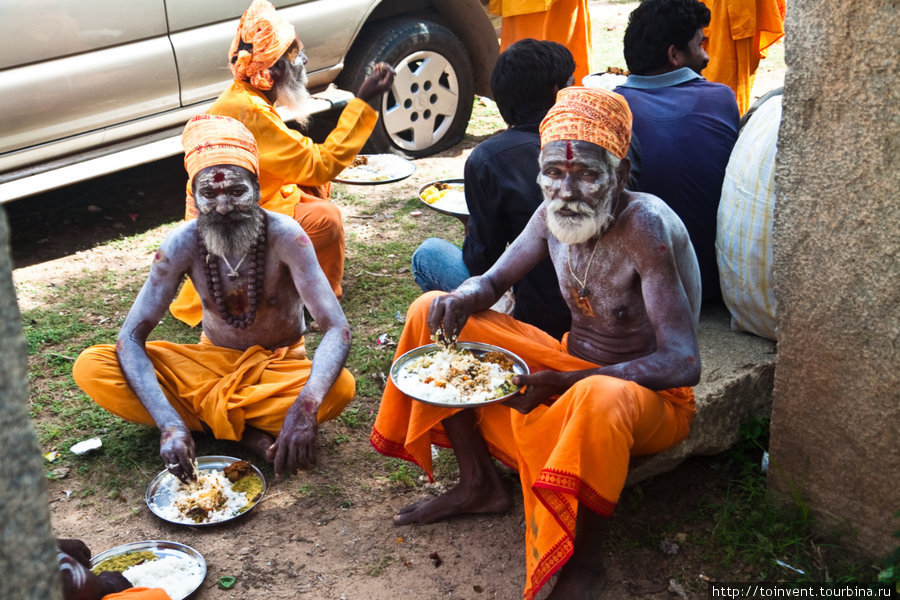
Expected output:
(657, 24)
(526, 78)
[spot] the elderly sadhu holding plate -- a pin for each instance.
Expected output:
(615, 386)
(295, 173)
(249, 379)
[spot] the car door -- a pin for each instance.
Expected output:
(68, 67)
(201, 34)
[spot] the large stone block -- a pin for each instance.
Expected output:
(835, 430)
(735, 386)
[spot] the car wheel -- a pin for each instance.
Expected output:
(429, 104)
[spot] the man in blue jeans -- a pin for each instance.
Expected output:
(502, 190)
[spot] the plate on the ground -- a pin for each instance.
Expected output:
(446, 196)
(163, 491)
(446, 388)
(190, 573)
(369, 169)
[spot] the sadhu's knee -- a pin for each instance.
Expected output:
(90, 363)
(322, 222)
(607, 395)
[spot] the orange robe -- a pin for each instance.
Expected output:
(570, 454)
(295, 177)
(565, 21)
(141, 593)
(221, 388)
(739, 33)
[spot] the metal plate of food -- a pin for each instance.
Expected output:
(370, 169)
(446, 196)
(226, 488)
(174, 567)
(473, 374)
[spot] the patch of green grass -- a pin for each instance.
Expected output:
(378, 568)
(404, 474)
(755, 527)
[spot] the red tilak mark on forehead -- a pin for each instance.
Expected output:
(569, 153)
(219, 177)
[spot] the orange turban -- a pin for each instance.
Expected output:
(269, 36)
(216, 140)
(591, 115)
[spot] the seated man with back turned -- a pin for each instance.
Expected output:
(502, 190)
(295, 173)
(615, 386)
(249, 378)
(685, 126)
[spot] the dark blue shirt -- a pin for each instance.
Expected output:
(686, 127)
(502, 193)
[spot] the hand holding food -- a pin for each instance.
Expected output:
(177, 451)
(448, 314)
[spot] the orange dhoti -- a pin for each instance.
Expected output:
(141, 593)
(572, 453)
(212, 387)
(563, 21)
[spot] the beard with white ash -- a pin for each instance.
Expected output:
(586, 222)
(230, 234)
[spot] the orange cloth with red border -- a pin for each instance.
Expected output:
(739, 33)
(570, 454)
(221, 388)
(567, 22)
(141, 593)
(295, 177)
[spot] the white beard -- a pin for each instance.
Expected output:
(586, 223)
(293, 96)
(230, 235)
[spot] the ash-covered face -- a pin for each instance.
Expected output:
(579, 182)
(227, 200)
(290, 91)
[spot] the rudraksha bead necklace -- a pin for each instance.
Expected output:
(254, 276)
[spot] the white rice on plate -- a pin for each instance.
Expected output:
(178, 576)
(456, 376)
(211, 492)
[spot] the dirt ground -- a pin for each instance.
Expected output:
(342, 545)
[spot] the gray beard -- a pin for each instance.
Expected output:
(232, 234)
(293, 95)
(579, 228)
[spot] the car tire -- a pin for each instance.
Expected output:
(429, 104)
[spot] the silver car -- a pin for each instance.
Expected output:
(93, 86)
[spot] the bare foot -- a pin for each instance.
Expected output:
(487, 499)
(257, 441)
(577, 581)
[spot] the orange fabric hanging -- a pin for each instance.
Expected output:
(224, 389)
(567, 22)
(739, 33)
(570, 454)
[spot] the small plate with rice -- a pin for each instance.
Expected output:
(369, 169)
(446, 196)
(174, 567)
(468, 375)
(225, 489)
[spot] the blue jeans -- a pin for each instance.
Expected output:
(438, 265)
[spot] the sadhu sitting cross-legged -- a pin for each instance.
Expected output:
(249, 378)
(615, 386)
